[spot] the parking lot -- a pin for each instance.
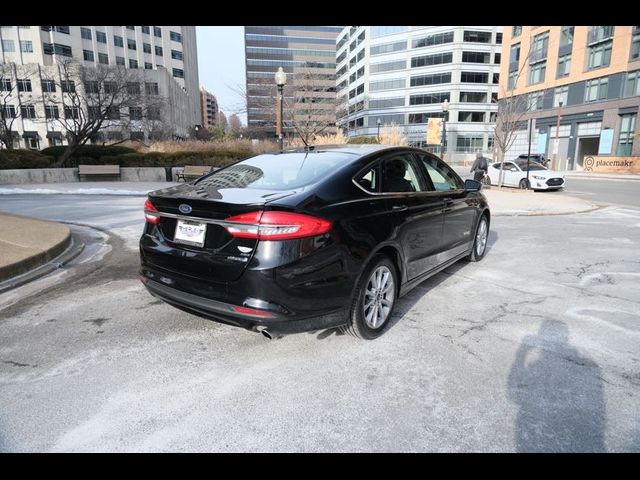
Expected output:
(534, 348)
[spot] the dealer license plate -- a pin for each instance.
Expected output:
(190, 233)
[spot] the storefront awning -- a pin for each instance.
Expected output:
(54, 135)
(30, 134)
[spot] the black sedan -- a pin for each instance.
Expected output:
(310, 239)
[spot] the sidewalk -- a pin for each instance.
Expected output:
(27, 243)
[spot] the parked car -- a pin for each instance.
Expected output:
(535, 157)
(515, 175)
(310, 239)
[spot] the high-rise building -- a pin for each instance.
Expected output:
(166, 57)
(307, 55)
(403, 74)
(581, 89)
(209, 107)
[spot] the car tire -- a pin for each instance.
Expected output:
(480, 238)
(524, 184)
(377, 287)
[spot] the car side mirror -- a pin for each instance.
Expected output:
(472, 185)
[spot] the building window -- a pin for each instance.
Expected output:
(133, 88)
(113, 113)
(144, 29)
(175, 36)
(5, 85)
(110, 87)
(496, 79)
(151, 88)
(564, 65)
(157, 31)
(93, 112)
(8, 46)
(158, 50)
(473, 97)
(635, 44)
(535, 100)
(135, 113)
(436, 59)
(437, 39)
(437, 78)
(429, 98)
(101, 37)
(390, 84)
(512, 80)
(88, 55)
(120, 61)
(57, 48)
(379, 31)
(596, 89)
(627, 129)
(600, 55)
(8, 111)
(24, 85)
(148, 66)
(539, 47)
(499, 38)
(48, 86)
(632, 87)
(92, 87)
(26, 46)
(469, 143)
(131, 44)
(85, 33)
(471, 117)
(516, 31)
(28, 111)
(600, 34)
(388, 66)
(387, 48)
(51, 112)
(68, 86)
(474, 77)
(133, 63)
(176, 54)
(130, 27)
(146, 47)
(476, 57)
(560, 94)
(178, 73)
(153, 113)
(566, 36)
(477, 37)
(103, 58)
(537, 72)
(496, 58)
(71, 113)
(118, 41)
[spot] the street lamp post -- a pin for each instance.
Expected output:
(556, 143)
(378, 122)
(281, 81)
(445, 110)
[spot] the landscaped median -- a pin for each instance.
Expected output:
(27, 243)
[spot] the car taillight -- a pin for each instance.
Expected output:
(151, 213)
(274, 225)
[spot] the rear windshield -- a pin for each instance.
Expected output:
(532, 165)
(278, 172)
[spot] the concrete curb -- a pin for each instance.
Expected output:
(44, 255)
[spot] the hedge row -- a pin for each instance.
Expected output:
(363, 140)
(15, 159)
(93, 151)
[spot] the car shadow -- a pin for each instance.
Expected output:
(406, 303)
(559, 393)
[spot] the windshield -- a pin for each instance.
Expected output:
(532, 165)
(284, 171)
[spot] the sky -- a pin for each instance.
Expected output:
(221, 65)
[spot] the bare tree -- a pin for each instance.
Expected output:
(10, 110)
(235, 125)
(315, 106)
(510, 120)
(97, 97)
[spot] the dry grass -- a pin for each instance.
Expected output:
(329, 139)
(172, 146)
(392, 135)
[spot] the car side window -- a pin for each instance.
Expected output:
(401, 174)
(370, 179)
(510, 166)
(442, 176)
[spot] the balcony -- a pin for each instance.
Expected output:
(600, 34)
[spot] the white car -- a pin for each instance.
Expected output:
(515, 175)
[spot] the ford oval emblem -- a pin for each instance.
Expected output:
(184, 208)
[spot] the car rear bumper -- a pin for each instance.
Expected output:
(274, 318)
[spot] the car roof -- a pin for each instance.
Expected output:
(356, 149)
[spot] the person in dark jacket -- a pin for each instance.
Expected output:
(479, 167)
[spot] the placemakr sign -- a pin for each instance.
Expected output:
(593, 163)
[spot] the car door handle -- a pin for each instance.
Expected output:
(399, 208)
